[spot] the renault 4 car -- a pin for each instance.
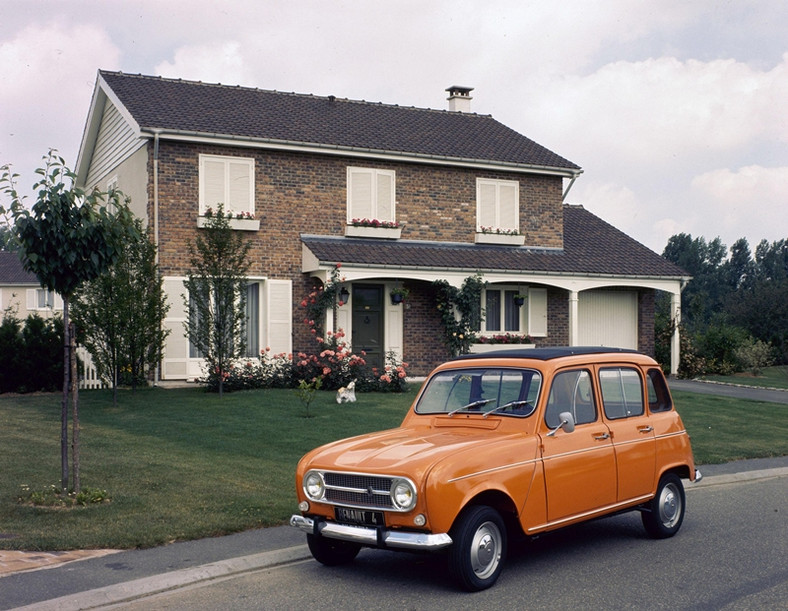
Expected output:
(503, 443)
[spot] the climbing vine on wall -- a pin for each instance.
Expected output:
(460, 311)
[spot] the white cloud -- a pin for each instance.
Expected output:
(49, 70)
(218, 62)
(751, 202)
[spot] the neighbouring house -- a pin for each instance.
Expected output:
(21, 293)
(399, 196)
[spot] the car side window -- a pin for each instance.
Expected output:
(657, 388)
(571, 392)
(622, 392)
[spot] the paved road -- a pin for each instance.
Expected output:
(724, 557)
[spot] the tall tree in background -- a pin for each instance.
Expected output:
(216, 299)
(67, 238)
(119, 315)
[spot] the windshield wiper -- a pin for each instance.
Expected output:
(470, 406)
(504, 406)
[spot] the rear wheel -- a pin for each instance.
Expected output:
(663, 515)
(477, 553)
(332, 552)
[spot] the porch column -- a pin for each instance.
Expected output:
(574, 333)
(675, 344)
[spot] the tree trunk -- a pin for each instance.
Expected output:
(74, 408)
(64, 403)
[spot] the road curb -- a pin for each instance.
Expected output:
(147, 586)
(732, 478)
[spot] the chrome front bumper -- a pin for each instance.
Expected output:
(371, 536)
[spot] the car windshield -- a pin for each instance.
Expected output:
(502, 391)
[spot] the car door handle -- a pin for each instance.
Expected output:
(646, 429)
(602, 436)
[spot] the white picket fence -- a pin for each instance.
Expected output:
(89, 377)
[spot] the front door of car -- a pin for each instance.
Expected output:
(579, 467)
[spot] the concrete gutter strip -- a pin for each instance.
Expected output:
(130, 590)
(733, 478)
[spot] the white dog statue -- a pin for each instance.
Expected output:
(347, 394)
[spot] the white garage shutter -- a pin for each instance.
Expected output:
(608, 318)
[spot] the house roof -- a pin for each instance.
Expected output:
(591, 247)
(12, 272)
(219, 111)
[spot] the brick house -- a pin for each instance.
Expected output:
(21, 293)
(455, 193)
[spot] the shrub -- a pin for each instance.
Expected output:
(718, 346)
(30, 354)
(754, 355)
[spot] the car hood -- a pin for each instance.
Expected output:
(403, 450)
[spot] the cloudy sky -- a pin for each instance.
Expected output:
(677, 111)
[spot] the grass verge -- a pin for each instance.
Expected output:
(181, 464)
(770, 377)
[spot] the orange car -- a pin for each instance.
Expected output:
(527, 439)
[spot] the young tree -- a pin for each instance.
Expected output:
(67, 237)
(216, 299)
(120, 315)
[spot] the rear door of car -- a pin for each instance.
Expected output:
(624, 408)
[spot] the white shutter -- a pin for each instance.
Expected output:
(279, 315)
(385, 196)
(507, 198)
(32, 299)
(239, 197)
(360, 193)
(213, 179)
(486, 205)
(58, 302)
(537, 312)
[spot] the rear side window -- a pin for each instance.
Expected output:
(658, 395)
(622, 392)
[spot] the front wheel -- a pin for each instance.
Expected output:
(663, 515)
(477, 553)
(332, 552)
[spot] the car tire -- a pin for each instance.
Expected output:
(478, 551)
(332, 552)
(663, 515)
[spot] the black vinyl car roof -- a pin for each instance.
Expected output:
(545, 354)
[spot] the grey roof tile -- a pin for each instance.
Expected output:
(591, 246)
(228, 111)
(12, 272)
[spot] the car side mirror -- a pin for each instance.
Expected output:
(567, 423)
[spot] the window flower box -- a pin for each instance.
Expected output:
(483, 348)
(499, 238)
(237, 224)
(386, 233)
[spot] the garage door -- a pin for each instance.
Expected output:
(608, 318)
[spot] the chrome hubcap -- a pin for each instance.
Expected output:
(669, 506)
(486, 550)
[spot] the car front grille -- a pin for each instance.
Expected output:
(358, 490)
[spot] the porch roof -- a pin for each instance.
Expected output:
(591, 247)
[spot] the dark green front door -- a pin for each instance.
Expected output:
(368, 323)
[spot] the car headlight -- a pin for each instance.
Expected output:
(314, 486)
(403, 494)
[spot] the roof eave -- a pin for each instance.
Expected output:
(348, 151)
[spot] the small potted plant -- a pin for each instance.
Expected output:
(398, 295)
(519, 299)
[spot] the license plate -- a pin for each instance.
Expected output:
(359, 516)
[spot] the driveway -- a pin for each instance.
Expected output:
(730, 390)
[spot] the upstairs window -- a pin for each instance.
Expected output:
(228, 181)
(497, 206)
(370, 194)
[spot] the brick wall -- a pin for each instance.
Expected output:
(646, 301)
(299, 193)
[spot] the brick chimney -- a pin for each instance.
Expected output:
(459, 98)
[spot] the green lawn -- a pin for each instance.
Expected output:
(770, 377)
(181, 464)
